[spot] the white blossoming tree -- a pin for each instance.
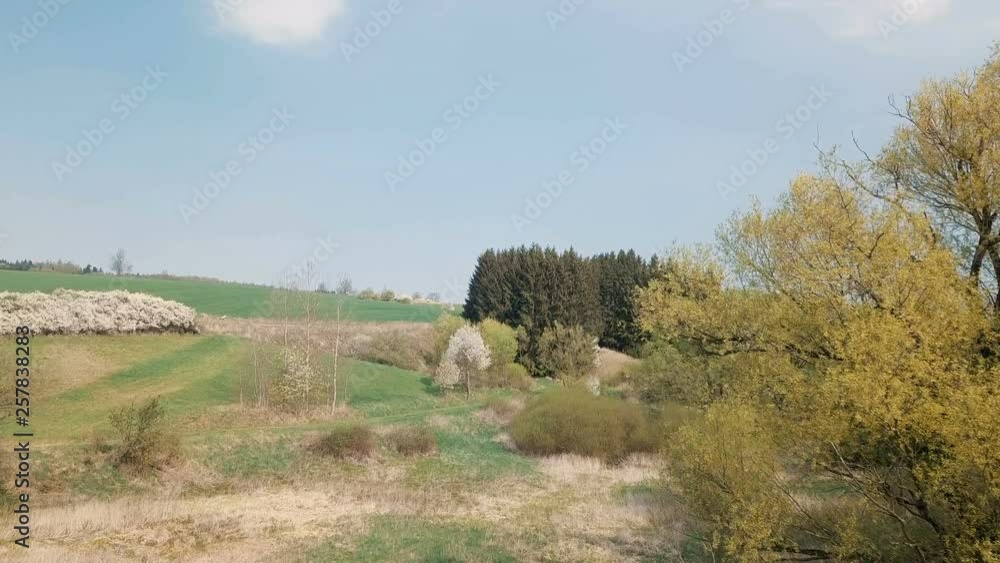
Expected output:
(93, 312)
(466, 357)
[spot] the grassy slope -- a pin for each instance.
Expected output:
(217, 298)
(197, 377)
(192, 374)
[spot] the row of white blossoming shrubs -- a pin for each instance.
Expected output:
(93, 312)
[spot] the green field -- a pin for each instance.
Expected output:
(220, 298)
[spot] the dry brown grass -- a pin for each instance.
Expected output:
(356, 337)
(612, 364)
(588, 520)
(571, 502)
(412, 441)
(573, 468)
(499, 411)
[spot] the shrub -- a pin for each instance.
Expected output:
(297, 380)
(143, 439)
(93, 312)
(368, 294)
(516, 377)
(412, 441)
(572, 421)
(566, 352)
(666, 374)
(346, 442)
(387, 295)
(501, 340)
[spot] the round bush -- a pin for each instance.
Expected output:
(573, 421)
(517, 377)
(348, 442)
(412, 441)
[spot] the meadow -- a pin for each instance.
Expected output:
(247, 487)
(222, 298)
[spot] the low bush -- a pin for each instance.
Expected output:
(501, 340)
(346, 442)
(566, 352)
(573, 421)
(143, 439)
(516, 377)
(93, 312)
(412, 441)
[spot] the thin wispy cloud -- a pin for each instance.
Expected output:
(279, 22)
(860, 19)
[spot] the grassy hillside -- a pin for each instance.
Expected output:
(247, 487)
(218, 298)
(80, 380)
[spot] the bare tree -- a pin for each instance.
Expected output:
(120, 265)
(344, 285)
(336, 363)
(309, 303)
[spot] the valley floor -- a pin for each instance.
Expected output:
(247, 489)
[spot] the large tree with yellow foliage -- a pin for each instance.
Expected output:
(851, 392)
(944, 159)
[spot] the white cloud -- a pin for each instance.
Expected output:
(279, 22)
(860, 18)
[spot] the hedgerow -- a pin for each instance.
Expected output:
(93, 312)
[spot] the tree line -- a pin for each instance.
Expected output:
(535, 288)
(48, 266)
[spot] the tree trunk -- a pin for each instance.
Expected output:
(976, 268)
(995, 260)
(336, 361)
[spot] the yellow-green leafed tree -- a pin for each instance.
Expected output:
(854, 408)
(944, 159)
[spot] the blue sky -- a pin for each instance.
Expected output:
(203, 82)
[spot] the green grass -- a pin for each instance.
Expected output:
(412, 539)
(191, 378)
(379, 390)
(220, 298)
(249, 459)
(469, 453)
(195, 374)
